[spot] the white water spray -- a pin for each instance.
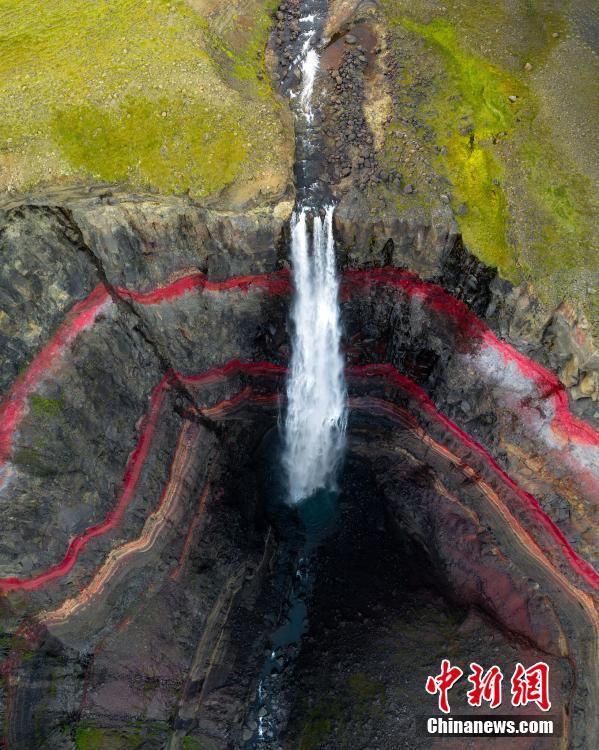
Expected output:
(309, 69)
(316, 411)
(316, 397)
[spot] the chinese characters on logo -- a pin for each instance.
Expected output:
(531, 686)
(527, 685)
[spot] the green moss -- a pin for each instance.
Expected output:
(38, 455)
(363, 689)
(318, 724)
(151, 684)
(190, 744)
(89, 738)
(529, 210)
(84, 85)
(154, 142)
(28, 655)
(17, 645)
(469, 115)
(248, 63)
(45, 407)
(366, 696)
(567, 209)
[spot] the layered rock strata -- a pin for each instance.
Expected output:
(134, 534)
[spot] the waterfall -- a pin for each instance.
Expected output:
(315, 422)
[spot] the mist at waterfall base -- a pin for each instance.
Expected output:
(299, 465)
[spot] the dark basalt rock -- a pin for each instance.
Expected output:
(166, 310)
(146, 393)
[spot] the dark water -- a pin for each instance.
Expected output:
(302, 527)
(300, 530)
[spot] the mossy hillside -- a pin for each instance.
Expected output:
(528, 211)
(43, 406)
(152, 93)
(200, 145)
(467, 124)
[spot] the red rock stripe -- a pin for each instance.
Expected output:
(84, 313)
(153, 526)
(79, 318)
(433, 295)
(390, 374)
(437, 299)
(275, 283)
(113, 518)
(386, 371)
(233, 367)
(175, 575)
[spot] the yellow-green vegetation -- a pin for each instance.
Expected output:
(90, 737)
(318, 724)
(527, 207)
(160, 94)
(44, 407)
(364, 694)
(481, 107)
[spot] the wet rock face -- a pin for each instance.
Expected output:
(136, 558)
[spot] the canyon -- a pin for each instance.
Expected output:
(148, 562)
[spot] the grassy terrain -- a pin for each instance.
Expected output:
(171, 96)
(525, 188)
(90, 737)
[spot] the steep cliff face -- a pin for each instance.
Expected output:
(148, 351)
(115, 462)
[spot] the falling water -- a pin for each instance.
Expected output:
(315, 422)
(316, 413)
(303, 508)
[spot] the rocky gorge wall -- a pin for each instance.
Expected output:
(132, 532)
